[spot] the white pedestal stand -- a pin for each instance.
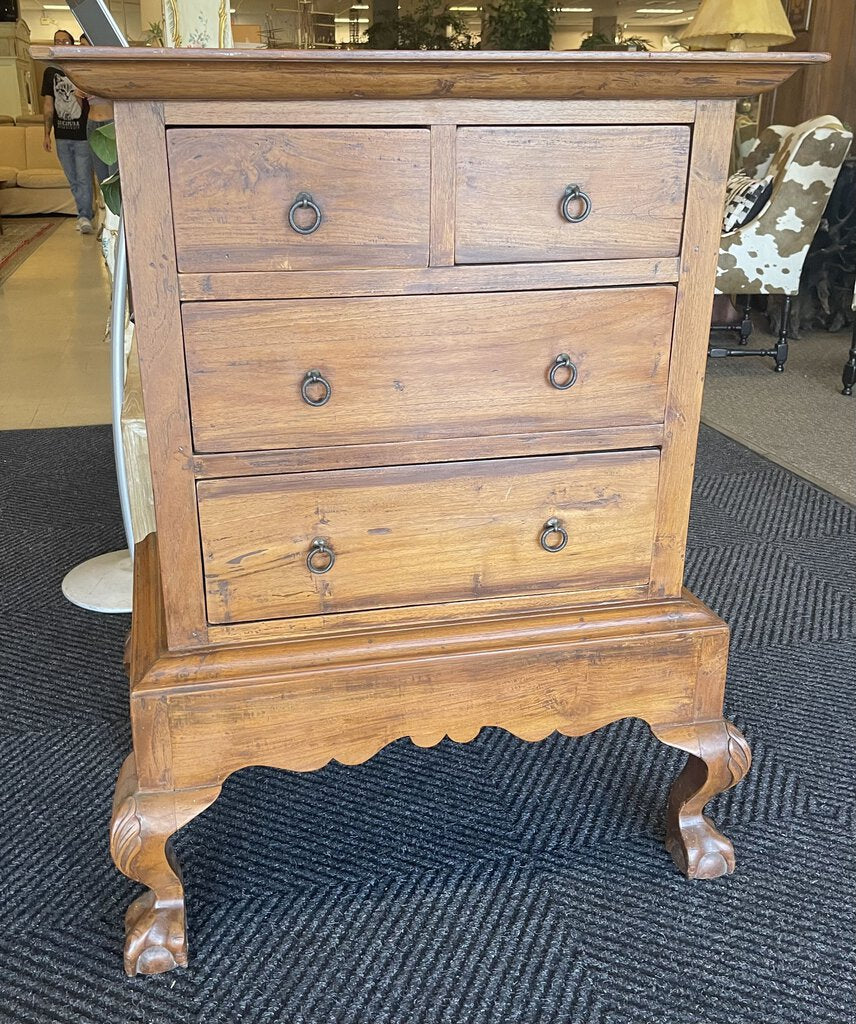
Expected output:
(105, 583)
(102, 584)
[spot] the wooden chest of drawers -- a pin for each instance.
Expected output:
(422, 340)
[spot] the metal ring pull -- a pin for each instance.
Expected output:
(304, 201)
(572, 193)
(320, 550)
(553, 526)
(563, 362)
(315, 377)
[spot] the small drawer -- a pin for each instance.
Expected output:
(311, 543)
(299, 199)
(309, 373)
(538, 194)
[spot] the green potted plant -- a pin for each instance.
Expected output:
(598, 41)
(154, 34)
(427, 27)
(518, 25)
(103, 143)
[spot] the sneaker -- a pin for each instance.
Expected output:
(84, 225)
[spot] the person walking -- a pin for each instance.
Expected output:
(65, 112)
(100, 114)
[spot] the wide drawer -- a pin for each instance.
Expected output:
(418, 367)
(512, 184)
(416, 535)
(236, 192)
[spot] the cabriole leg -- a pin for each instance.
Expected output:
(719, 758)
(155, 932)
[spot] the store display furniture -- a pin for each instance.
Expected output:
(766, 255)
(422, 340)
(33, 180)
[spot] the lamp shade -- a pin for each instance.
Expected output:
(756, 22)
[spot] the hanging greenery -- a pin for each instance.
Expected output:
(425, 28)
(518, 25)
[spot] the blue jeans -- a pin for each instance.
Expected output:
(102, 170)
(76, 159)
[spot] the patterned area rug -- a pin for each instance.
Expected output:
(497, 882)
(20, 239)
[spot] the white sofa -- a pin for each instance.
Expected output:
(31, 180)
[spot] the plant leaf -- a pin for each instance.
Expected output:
(103, 143)
(111, 189)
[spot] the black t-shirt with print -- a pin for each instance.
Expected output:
(69, 120)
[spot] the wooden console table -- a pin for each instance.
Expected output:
(422, 340)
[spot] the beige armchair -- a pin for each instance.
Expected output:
(766, 256)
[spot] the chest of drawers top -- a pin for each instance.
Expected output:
(250, 75)
(421, 336)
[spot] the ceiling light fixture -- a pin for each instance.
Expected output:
(659, 10)
(574, 10)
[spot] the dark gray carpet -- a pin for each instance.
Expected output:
(493, 883)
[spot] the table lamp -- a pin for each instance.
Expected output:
(738, 24)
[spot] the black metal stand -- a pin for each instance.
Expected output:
(744, 327)
(848, 375)
(779, 353)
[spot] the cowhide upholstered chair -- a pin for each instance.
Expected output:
(765, 256)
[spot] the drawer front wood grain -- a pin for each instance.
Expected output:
(425, 367)
(511, 183)
(233, 190)
(417, 535)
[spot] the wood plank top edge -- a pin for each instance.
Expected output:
(143, 73)
(98, 54)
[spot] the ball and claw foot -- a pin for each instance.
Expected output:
(719, 758)
(703, 852)
(155, 936)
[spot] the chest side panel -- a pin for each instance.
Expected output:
(147, 209)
